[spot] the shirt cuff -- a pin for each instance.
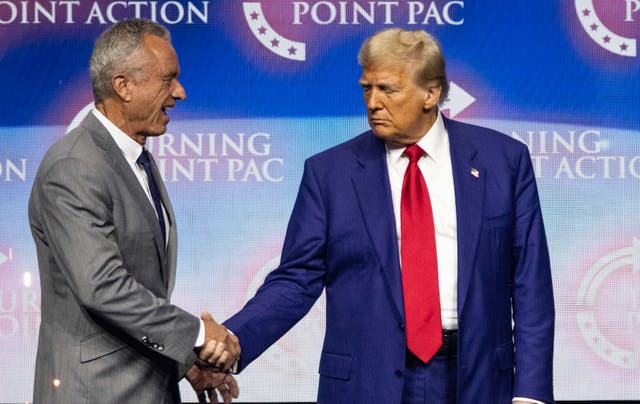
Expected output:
(527, 400)
(200, 340)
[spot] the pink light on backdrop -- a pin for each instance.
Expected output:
(621, 17)
(599, 307)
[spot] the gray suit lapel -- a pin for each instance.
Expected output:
(115, 158)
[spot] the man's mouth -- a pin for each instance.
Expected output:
(166, 108)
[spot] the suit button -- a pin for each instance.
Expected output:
(161, 348)
(399, 373)
(145, 339)
(155, 345)
(402, 326)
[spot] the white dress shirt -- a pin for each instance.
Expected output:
(435, 166)
(436, 169)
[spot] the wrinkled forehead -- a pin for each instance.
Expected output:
(388, 70)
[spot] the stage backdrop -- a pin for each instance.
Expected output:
(273, 82)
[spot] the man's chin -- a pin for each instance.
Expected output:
(382, 133)
(157, 131)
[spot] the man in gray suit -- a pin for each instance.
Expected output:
(105, 234)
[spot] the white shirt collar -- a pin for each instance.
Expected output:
(130, 148)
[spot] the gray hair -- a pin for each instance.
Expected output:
(114, 52)
(418, 48)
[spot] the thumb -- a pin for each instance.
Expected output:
(205, 316)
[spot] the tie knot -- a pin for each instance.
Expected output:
(144, 157)
(414, 152)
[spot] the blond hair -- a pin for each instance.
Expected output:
(418, 48)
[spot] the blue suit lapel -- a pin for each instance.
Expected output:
(470, 196)
(371, 183)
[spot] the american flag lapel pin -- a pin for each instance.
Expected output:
(475, 172)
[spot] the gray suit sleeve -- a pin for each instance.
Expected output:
(76, 206)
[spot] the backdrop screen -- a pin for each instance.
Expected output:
(270, 83)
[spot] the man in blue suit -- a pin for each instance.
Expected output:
(483, 270)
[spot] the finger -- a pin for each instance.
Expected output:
(213, 397)
(218, 353)
(208, 350)
(223, 389)
(233, 385)
(222, 362)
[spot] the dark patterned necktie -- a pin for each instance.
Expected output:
(145, 162)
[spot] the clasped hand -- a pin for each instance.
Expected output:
(219, 353)
(221, 349)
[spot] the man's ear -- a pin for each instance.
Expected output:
(431, 97)
(122, 86)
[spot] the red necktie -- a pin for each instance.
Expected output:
(419, 262)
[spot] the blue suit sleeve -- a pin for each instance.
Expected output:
(533, 306)
(290, 291)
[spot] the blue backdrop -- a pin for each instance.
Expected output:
(269, 83)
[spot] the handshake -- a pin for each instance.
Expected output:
(211, 373)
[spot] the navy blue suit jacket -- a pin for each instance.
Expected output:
(342, 238)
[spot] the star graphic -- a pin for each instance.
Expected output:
(292, 50)
(262, 30)
(254, 15)
(594, 27)
(624, 47)
(586, 12)
(275, 42)
(607, 39)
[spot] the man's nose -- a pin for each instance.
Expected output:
(373, 99)
(179, 92)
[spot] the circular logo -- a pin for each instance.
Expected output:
(608, 306)
(607, 25)
(269, 37)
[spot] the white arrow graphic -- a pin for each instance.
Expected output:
(457, 101)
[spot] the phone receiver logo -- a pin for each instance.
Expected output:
(603, 35)
(268, 36)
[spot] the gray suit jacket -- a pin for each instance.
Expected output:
(108, 332)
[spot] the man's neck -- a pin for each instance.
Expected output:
(113, 112)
